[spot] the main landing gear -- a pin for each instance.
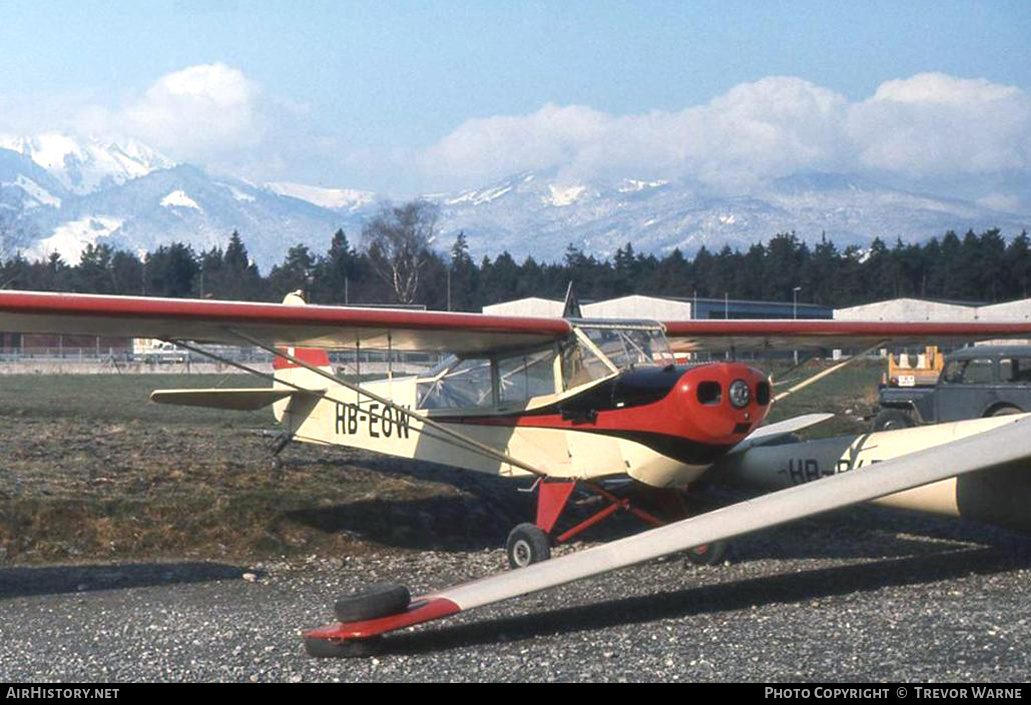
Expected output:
(531, 543)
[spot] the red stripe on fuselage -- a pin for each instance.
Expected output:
(679, 414)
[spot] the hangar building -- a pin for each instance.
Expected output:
(908, 310)
(664, 308)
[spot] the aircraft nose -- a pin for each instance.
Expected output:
(724, 401)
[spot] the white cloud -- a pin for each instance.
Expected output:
(927, 129)
(196, 112)
(933, 124)
(927, 126)
(551, 136)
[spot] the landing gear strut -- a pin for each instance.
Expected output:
(531, 543)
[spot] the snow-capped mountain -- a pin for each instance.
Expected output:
(60, 194)
(85, 165)
(338, 199)
(184, 204)
(540, 214)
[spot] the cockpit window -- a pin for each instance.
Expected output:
(522, 377)
(580, 365)
(627, 348)
(593, 353)
(464, 383)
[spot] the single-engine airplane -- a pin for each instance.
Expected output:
(572, 403)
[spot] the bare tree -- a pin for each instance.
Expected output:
(398, 241)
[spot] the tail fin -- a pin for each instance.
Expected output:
(289, 371)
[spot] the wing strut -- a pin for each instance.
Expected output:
(1007, 444)
(829, 371)
(357, 388)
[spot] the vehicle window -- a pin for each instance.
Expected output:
(969, 371)
(1015, 370)
(522, 377)
(467, 384)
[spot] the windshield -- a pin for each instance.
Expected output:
(627, 348)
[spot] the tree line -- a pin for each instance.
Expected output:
(397, 260)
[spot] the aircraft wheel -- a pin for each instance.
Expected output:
(710, 554)
(343, 648)
(375, 601)
(892, 419)
(527, 545)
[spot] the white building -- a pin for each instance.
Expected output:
(1011, 310)
(907, 310)
(530, 306)
(639, 307)
(624, 307)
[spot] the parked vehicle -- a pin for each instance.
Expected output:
(975, 382)
(159, 352)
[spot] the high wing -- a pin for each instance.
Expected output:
(332, 327)
(1006, 445)
(752, 335)
(336, 327)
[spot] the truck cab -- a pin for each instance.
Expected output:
(975, 382)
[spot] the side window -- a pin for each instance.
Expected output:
(522, 377)
(467, 384)
(969, 371)
(1015, 370)
(580, 366)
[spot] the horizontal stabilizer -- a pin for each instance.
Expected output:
(235, 399)
(771, 431)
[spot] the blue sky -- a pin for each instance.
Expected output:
(373, 95)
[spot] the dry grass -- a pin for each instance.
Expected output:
(89, 469)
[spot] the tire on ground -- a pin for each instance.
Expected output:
(892, 419)
(1006, 410)
(709, 554)
(375, 601)
(526, 545)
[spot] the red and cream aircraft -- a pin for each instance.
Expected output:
(573, 403)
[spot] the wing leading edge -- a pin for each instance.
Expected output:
(332, 327)
(741, 335)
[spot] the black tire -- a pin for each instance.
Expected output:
(375, 601)
(710, 554)
(1006, 411)
(892, 419)
(343, 648)
(527, 545)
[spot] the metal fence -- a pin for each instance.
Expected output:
(184, 360)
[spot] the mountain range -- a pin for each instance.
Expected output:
(59, 193)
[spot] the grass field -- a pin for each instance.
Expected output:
(90, 468)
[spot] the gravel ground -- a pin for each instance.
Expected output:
(867, 594)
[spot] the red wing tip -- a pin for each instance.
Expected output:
(420, 610)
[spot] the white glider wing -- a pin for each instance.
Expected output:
(1008, 444)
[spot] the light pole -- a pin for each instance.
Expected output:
(794, 312)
